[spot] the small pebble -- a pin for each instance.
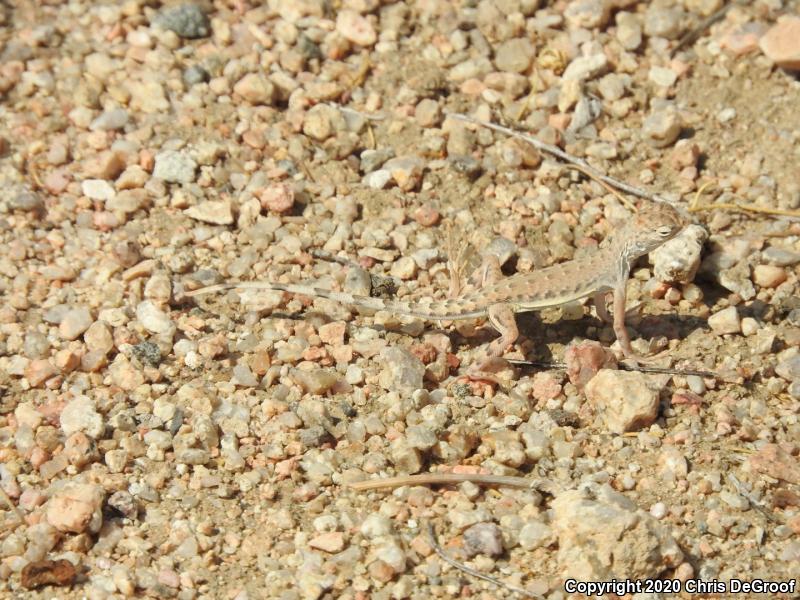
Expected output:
(658, 510)
(662, 127)
(152, 318)
(187, 20)
(97, 189)
(255, 89)
(725, 321)
(74, 323)
(514, 56)
(277, 198)
(662, 76)
(355, 28)
(483, 538)
(216, 212)
(586, 67)
(663, 22)
(769, 276)
(174, 167)
(110, 120)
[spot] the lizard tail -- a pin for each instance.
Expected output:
(466, 307)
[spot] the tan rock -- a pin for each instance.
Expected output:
(725, 321)
(355, 28)
(255, 88)
(777, 463)
(330, 542)
(98, 337)
(584, 361)
(216, 212)
(276, 198)
(333, 333)
(769, 276)
(76, 507)
(38, 371)
(625, 400)
(106, 165)
(781, 43)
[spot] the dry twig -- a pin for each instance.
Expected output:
(470, 571)
(584, 166)
(694, 34)
(330, 257)
(442, 479)
(622, 366)
(611, 190)
(695, 206)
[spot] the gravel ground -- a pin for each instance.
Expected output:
(153, 445)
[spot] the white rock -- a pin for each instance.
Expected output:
(662, 126)
(402, 371)
(404, 268)
(376, 525)
(677, 260)
(153, 318)
(80, 415)
(658, 510)
(74, 323)
(749, 326)
(377, 180)
(662, 76)
(536, 534)
(97, 189)
(174, 167)
(26, 414)
(586, 67)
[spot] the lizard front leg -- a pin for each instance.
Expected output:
(619, 327)
(619, 320)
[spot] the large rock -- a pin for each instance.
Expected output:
(77, 507)
(678, 259)
(625, 400)
(781, 43)
(603, 535)
(402, 371)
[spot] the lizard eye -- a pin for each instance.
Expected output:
(664, 231)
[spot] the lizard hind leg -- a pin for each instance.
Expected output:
(501, 317)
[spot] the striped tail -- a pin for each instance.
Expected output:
(469, 306)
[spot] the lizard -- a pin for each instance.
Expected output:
(605, 269)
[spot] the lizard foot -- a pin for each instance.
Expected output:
(491, 371)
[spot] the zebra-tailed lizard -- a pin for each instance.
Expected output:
(604, 270)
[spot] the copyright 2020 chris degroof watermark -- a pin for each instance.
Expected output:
(620, 587)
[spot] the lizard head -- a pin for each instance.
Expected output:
(654, 224)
